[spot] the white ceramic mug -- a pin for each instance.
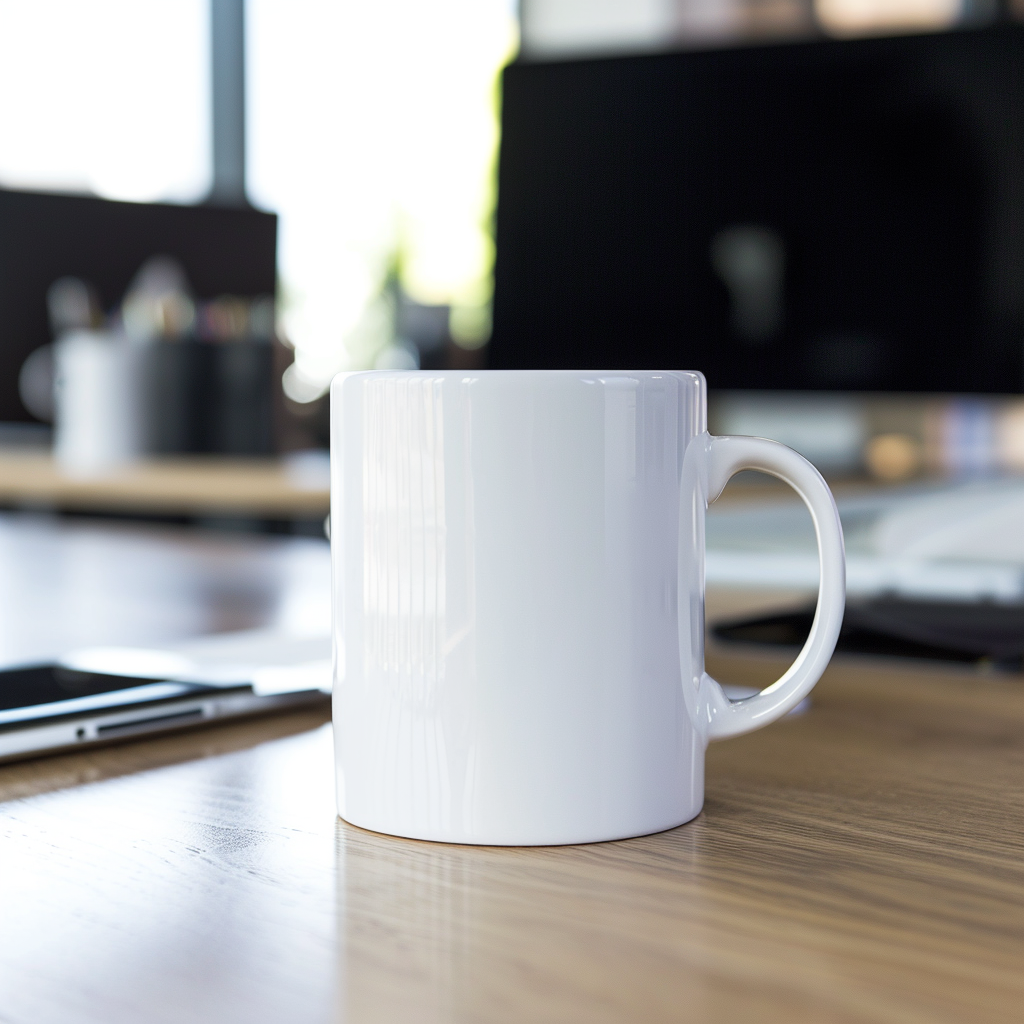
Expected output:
(519, 601)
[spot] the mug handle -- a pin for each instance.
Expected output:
(721, 458)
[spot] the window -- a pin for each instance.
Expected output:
(372, 132)
(109, 97)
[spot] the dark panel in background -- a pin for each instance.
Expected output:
(44, 237)
(840, 214)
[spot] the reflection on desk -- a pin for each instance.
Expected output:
(67, 584)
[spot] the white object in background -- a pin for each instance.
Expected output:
(98, 413)
(974, 523)
(827, 429)
(518, 581)
(272, 660)
(869, 576)
(563, 28)
(954, 542)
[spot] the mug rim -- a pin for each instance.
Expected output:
(696, 376)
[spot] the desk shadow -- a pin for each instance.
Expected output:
(432, 932)
(20, 779)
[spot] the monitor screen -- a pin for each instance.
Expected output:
(44, 237)
(819, 215)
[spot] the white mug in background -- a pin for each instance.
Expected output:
(519, 601)
(98, 402)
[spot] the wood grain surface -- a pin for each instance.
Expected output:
(862, 862)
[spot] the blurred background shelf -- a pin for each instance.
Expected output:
(168, 486)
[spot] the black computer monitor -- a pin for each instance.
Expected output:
(44, 237)
(818, 215)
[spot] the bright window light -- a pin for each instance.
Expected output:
(372, 133)
(106, 96)
(864, 17)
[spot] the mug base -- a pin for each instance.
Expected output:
(548, 838)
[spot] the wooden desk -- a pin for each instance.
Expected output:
(180, 485)
(863, 862)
